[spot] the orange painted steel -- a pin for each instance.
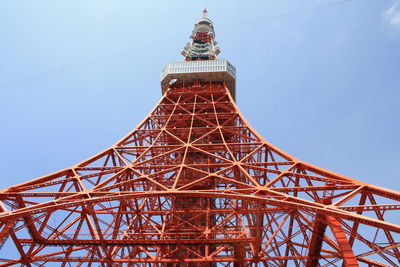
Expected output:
(195, 185)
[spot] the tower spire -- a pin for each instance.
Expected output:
(205, 13)
(203, 45)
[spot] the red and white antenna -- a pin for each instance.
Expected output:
(205, 13)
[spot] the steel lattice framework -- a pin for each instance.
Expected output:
(195, 185)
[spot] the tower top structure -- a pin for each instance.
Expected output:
(200, 61)
(203, 45)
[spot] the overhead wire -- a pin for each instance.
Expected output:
(66, 69)
(292, 13)
(75, 67)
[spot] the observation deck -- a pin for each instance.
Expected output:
(217, 70)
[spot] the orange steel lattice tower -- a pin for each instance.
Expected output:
(195, 185)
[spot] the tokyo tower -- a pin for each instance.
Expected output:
(195, 185)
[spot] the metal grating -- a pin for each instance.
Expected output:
(200, 66)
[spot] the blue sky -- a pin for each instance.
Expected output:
(320, 81)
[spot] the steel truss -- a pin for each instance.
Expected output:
(195, 185)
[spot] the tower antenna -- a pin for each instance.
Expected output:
(205, 13)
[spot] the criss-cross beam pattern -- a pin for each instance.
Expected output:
(195, 185)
